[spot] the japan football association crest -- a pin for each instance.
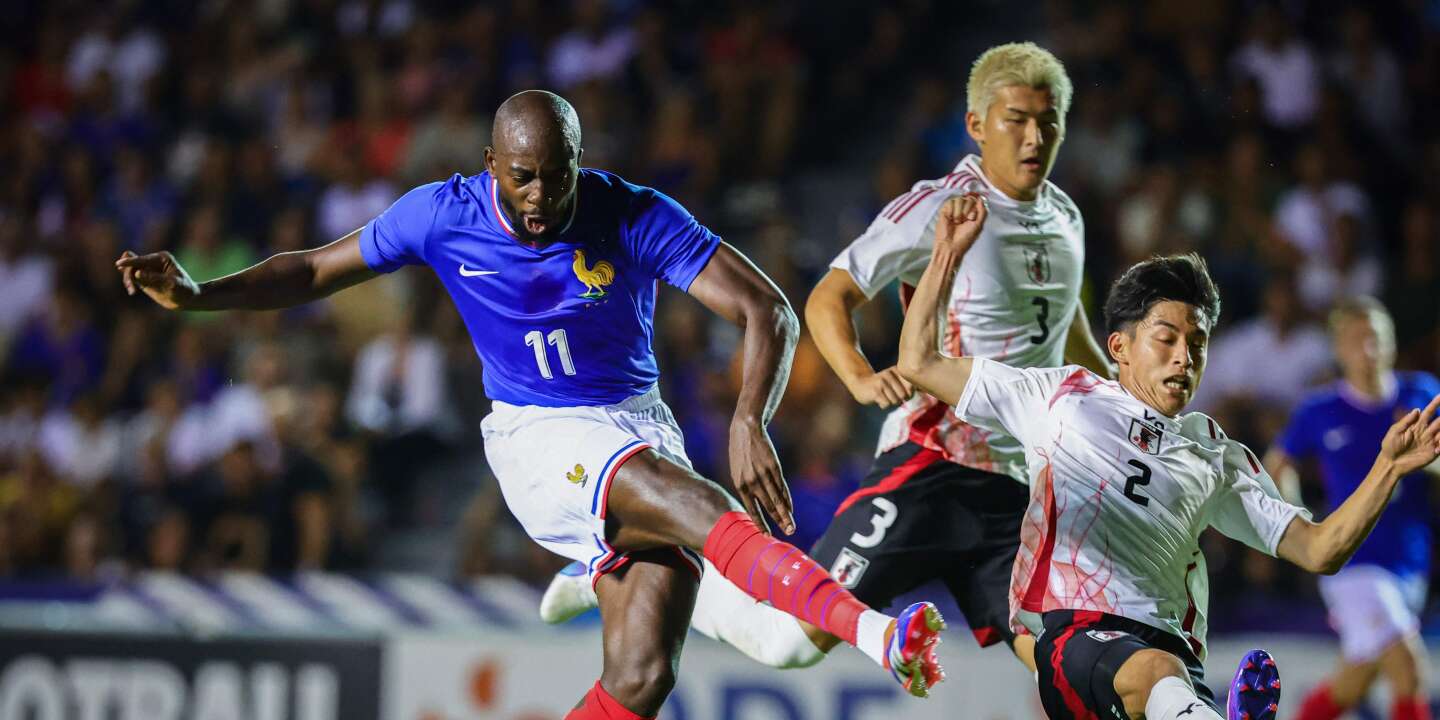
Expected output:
(1105, 635)
(1145, 436)
(848, 568)
(1037, 263)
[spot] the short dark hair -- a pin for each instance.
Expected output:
(1182, 278)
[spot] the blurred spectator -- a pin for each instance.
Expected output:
(1345, 270)
(26, 275)
(354, 199)
(1102, 144)
(63, 343)
(1414, 295)
(141, 204)
(236, 516)
(1307, 214)
(1370, 73)
(399, 397)
(80, 443)
(449, 142)
(593, 50)
(22, 406)
(1264, 365)
(207, 253)
(131, 55)
(1284, 65)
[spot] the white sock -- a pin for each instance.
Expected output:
(724, 612)
(870, 635)
(1172, 696)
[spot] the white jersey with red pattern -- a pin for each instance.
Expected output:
(1014, 298)
(1119, 495)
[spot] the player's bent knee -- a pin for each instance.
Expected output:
(641, 686)
(1139, 674)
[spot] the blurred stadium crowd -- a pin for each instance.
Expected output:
(1294, 145)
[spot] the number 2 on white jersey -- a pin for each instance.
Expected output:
(536, 340)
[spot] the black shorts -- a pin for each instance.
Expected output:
(1079, 653)
(918, 517)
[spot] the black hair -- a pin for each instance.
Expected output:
(1182, 278)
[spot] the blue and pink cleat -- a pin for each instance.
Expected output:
(910, 648)
(1255, 691)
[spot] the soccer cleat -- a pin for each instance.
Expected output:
(569, 595)
(910, 644)
(1255, 691)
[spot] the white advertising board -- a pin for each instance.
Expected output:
(540, 676)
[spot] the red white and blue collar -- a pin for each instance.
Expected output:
(505, 220)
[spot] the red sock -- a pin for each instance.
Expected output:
(1319, 705)
(773, 570)
(599, 705)
(1411, 708)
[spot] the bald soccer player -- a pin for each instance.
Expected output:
(553, 268)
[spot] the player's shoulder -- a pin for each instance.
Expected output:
(923, 200)
(1319, 400)
(1417, 381)
(607, 192)
(455, 190)
(1062, 202)
(1206, 432)
(1203, 429)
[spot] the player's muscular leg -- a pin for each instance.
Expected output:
(1139, 674)
(656, 503)
(1351, 682)
(822, 640)
(645, 607)
(1403, 665)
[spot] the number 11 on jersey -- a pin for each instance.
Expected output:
(537, 340)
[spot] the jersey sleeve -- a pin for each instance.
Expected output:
(397, 237)
(667, 240)
(898, 243)
(1010, 400)
(1249, 507)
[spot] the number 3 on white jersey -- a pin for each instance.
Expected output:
(880, 522)
(536, 340)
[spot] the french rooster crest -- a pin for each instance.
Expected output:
(595, 278)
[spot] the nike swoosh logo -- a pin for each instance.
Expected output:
(467, 272)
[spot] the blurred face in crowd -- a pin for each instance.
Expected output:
(1162, 357)
(1364, 344)
(1018, 138)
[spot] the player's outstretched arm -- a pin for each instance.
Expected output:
(959, 224)
(830, 316)
(1412, 443)
(279, 281)
(733, 288)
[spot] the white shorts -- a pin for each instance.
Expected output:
(555, 465)
(1372, 608)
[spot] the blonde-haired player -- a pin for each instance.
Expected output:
(944, 500)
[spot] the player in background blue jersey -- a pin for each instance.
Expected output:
(553, 269)
(1373, 601)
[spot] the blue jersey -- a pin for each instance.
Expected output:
(564, 325)
(1344, 433)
